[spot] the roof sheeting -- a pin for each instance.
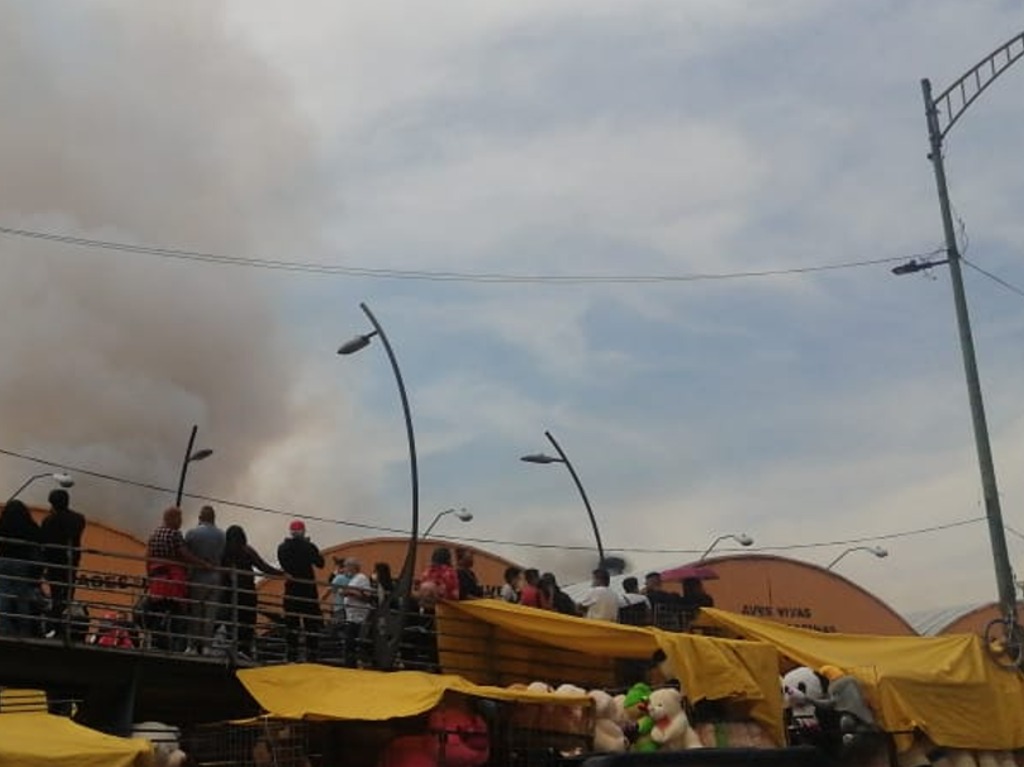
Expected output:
(490, 641)
(43, 740)
(946, 686)
(311, 691)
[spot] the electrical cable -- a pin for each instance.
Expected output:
(994, 278)
(520, 544)
(432, 275)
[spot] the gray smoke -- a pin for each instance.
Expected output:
(149, 123)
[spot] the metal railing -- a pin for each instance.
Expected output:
(238, 620)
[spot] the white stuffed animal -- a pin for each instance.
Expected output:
(672, 730)
(166, 742)
(609, 737)
(804, 690)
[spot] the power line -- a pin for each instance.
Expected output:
(493, 541)
(434, 275)
(993, 277)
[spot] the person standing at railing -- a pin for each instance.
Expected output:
(469, 585)
(241, 560)
(61, 532)
(20, 570)
(205, 584)
(167, 563)
(298, 558)
(358, 594)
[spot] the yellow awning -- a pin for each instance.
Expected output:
(493, 642)
(946, 686)
(309, 691)
(43, 740)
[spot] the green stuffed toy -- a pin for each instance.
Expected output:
(639, 732)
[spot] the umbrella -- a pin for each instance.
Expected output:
(681, 573)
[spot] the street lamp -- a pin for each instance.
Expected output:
(463, 515)
(387, 649)
(190, 456)
(563, 458)
(878, 551)
(61, 479)
(741, 538)
(942, 112)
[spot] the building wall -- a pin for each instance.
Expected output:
(799, 594)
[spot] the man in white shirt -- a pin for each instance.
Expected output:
(358, 599)
(600, 603)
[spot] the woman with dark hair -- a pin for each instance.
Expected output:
(552, 597)
(441, 574)
(20, 571)
(241, 559)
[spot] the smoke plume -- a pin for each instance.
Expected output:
(153, 124)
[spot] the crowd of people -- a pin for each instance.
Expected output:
(201, 593)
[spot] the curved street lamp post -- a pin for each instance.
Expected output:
(393, 623)
(741, 538)
(190, 457)
(61, 479)
(942, 112)
(878, 551)
(543, 458)
(463, 515)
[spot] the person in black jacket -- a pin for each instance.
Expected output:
(298, 557)
(19, 571)
(469, 586)
(61, 534)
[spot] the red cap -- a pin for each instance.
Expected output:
(297, 526)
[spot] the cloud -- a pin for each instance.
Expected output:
(158, 129)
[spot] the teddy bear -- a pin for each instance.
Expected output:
(609, 737)
(455, 737)
(672, 730)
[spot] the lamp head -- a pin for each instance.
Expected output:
(879, 551)
(64, 480)
(540, 458)
(744, 540)
(356, 344)
(464, 515)
(199, 455)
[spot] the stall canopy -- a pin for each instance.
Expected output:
(947, 686)
(309, 691)
(42, 740)
(492, 642)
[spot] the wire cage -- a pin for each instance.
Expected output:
(259, 743)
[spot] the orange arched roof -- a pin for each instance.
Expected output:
(799, 594)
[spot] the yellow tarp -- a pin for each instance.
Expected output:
(309, 691)
(42, 740)
(946, 686)
(494, 642)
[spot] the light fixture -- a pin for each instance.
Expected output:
(741, 538)
(877, 551)
(463, 515)
(62, 479)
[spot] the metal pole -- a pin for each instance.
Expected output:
(583, 494)
(184, 466)
(388, 650)
(997, 534)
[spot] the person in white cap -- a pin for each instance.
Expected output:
(298, 557)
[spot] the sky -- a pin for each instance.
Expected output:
(492, 180)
